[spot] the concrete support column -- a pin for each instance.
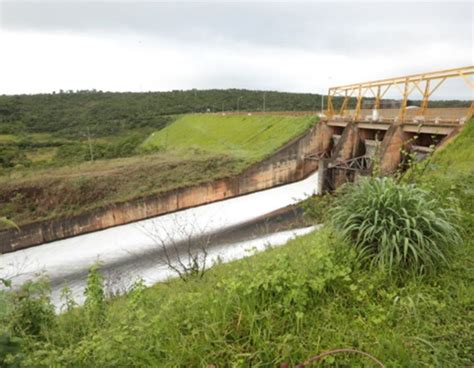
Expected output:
(350, 145)
(322, 177)
(323, 137)
(394, 142)
(321, 142)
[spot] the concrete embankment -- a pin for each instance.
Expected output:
(287, 165)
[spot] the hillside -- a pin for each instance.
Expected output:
(240, 136)
(70, 113)
(60, 128)
(192, 150)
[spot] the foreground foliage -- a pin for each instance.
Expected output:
(283, 305)
(398, 227)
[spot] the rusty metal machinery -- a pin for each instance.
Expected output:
(425, 83)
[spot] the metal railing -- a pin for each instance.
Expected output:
(425, 83)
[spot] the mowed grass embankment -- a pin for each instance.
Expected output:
(193, 150)
(247, 137)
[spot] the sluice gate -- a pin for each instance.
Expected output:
(352, 142)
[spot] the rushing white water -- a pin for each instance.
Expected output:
(134, 251)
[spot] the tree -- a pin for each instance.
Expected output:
(184, 246)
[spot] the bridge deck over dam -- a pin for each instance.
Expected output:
(348, 148)
(352, 141)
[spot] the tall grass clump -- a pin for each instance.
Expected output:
(397, 227)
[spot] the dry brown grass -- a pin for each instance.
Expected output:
(31, 195)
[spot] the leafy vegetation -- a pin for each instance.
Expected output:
(11, 156)
(71, 114)
(283, 305)
(34, 151)
(398, 227)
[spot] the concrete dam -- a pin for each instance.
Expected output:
(341, 150)
(342, 146)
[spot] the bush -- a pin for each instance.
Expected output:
(11, 156)
(32, 313)
(81, 152)
(396, 226)
(315, 208)
(94, 304)
(76, 152)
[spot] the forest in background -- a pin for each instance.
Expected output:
(70, 113)
(60, 128)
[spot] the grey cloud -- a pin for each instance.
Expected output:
(337, 27)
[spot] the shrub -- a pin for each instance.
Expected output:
(94, 304)
(10, 350)
(396, 226)
(32, 313)
(315, 208)
(11, 156)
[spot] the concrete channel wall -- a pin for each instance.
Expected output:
(287, 165)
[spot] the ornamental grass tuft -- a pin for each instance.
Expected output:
(397, 227)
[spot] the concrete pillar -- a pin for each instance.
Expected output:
(394, 142)
(350, 145)
(322, 177)
(321, 142)
(323, 137)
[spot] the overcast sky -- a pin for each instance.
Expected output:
(285, 46)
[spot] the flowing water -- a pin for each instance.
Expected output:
(227, 230)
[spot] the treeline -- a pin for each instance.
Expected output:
(107, 113)
(71, 114)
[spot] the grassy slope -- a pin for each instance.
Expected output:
(290, 303)
(242, 136)
(52, 193)
(191, 157)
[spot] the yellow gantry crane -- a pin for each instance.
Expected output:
(425, 83)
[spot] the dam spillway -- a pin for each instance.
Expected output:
(128, 253)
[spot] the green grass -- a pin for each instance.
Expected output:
(451, 172)
(32, 137)
(456, 158)
(284, 305)
(242, 136)
(7, 138)
(396, 226)
(42, 154)
(194, 149)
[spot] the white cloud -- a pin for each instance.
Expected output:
(131, 58)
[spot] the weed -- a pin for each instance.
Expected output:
(396, 226)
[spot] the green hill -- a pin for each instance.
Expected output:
(71, 113)
(248, 137)
(192, 150)
(106, 113)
